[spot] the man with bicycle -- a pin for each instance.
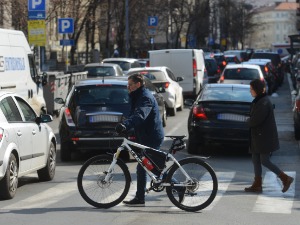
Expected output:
(145, 119)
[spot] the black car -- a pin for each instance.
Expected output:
(296, 116)
(92, 110)
(219, 116)
(221, 61)
(276, 60)
(213, 70)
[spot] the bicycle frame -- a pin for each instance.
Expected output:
(125, 146)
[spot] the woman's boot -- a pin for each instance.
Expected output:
(286, 181)
(256, 186)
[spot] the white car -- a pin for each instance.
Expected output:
(125, 63)
(241, 74)
(27, 144)
(164, 79)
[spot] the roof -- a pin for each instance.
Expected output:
(148, 68)
(228, 85)
(120, 59)
(287, 6)
(100, 64)
(250, 66)
(117, 81)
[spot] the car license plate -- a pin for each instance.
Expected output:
(232, 117)
(104, 118)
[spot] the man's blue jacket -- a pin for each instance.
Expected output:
(144, 118)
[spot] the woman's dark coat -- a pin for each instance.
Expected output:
(145, 118)
(263, 130)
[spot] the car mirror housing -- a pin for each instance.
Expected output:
(59, 101)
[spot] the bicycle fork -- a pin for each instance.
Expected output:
(113, 163)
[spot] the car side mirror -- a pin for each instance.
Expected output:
(179, 79)
(59, 101)
(189, 102)
(43, 118)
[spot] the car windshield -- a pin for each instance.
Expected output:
(124, 65)
(100, 71)
(227, 94)
(241, 74)
(101, 95)
(154, 75)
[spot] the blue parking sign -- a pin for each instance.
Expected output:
(66, 25)
(152, 21)
(36, 5)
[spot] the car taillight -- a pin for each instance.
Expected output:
(167, 84)
(218, 70)
(297, 105)
(266, 69)
(1, 134)
(148, 64)
(68, 116)
(194, 68)
(198, 112)
(224, 63)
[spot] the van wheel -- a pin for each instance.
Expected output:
(65, 152)
(47, 173)
(9, 183)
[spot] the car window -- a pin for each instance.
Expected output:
(229, 94)
(27, 111)
(241, 74)
(10, 110)
(135, 65)
(100, 71)
(171, 75)
(124, 65)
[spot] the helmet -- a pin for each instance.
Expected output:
(179, 145)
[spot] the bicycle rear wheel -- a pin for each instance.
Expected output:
(92, 187)
(195, 195)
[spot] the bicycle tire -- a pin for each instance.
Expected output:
(201, 193)
(97, 193)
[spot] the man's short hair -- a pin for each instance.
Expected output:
(137, 77)
(258, 86)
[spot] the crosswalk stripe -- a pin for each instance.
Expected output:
(46, 197)
(272, 200)
(224, 180)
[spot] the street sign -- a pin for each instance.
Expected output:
(67, 42)
(152, 21)
(36, 15)
(65, 25)
(36, 5)
(37, 32)
(152, 31)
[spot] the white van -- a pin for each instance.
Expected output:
(18, 71)
(186, 63)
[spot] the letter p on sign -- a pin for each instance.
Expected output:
(65, 25)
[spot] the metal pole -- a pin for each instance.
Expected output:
(127, 27)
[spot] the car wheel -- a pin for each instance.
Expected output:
(172, 111)
(297, 132)
(65, 152)
(164, 118)
(9, 183)
(47, 173)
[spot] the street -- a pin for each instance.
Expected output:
(59, 202)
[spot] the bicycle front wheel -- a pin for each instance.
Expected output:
(196, 194)
(92, 187)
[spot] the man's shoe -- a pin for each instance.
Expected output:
(134, 202)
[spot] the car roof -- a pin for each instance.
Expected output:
(256, 62)
(234, 66)
(98, 81)
(161, 68)
(121, 59)
(214, 85)
(100, 64)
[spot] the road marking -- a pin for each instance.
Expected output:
(45, 198)
(272, 200)
(224, 180)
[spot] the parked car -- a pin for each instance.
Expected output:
(296, 115)
(27, 144)
(125, 63)
(213, 70)
(91, 111)
(232, 59)
(269, 71)
(218, 116)
(103, 69)
(276, 60)
(241, 74)
(220, 58)
(164, 78)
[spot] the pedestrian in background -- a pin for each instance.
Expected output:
(263, 137)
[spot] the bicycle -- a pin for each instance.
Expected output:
(104, 180)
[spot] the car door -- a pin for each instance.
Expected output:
(37, 132)
(177, 88)
(22, 134)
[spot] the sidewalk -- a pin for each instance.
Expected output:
(283, 101)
